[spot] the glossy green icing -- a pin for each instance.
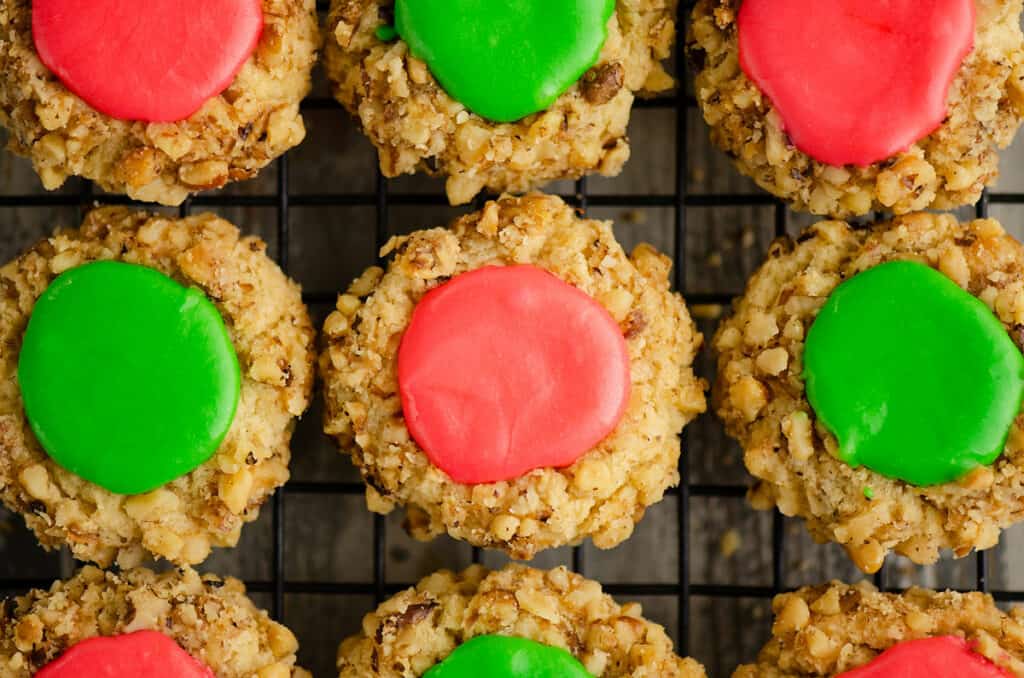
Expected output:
(917, 379)
(129, 379)
(505, 657)
(505, 60)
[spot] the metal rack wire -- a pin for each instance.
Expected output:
(684, 589)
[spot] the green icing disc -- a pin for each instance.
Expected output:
(505, 657)
(129, 379)
(916, 378)
(505, 60)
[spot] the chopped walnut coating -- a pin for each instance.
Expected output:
(421, 626)
(826, 630)
(230, 138)
(946, 169)
(605, 493)
(417, 126)
(760, 391)
(210, 618)
(273, 337)
(601, 83)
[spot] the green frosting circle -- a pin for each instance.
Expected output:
(506, 657)
(505, 60)
(917, 379)
(129, 379)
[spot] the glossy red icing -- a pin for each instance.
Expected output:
(143, 654)
(929, 658)
(154, 61)
(855, 82)
(507, 369)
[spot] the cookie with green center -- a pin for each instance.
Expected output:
(160, 366)
(193, 94)
(517, 622)
(874, 378)
(139, 624)
(88, 376)
(499, 96)
(847, 108)
(841, 631)
(881, 360)
(518, 353)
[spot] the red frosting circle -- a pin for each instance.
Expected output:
(929, 658)
(155, 60)
(143, 654)
(508, 369)
(855, 82)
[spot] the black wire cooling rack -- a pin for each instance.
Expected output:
(681, 201)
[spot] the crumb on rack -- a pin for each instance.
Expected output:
(730, 543)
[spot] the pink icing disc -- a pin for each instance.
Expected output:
(143, 654)
(929, 658)
(855, 82)
(508, 369)
(153, 61)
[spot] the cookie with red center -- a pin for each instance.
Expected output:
(108, 53)
(177, 624)
(517, 351)
(916, 634)
(846, 107)
(156, 100)
(855, 83)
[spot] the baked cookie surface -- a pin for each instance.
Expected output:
(827, 630)
(419, 627)
(761, 394)
(210, 618)
(417, 126)
(232, 137)
(946, 169)
(272, 335)
(605, 492)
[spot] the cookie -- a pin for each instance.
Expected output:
(426, 630)
(897, 120)
(856, 631)
(495, 97)
(515, 380)
(141, 621)
(157, 101)
(156, 370)
(873, 377)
